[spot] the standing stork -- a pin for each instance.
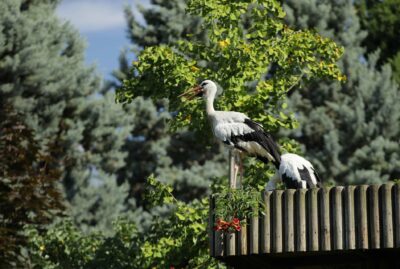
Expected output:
(236, 130)
(296, 172)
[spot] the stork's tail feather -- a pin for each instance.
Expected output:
(319, 181)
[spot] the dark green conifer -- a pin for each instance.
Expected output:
(382, 22)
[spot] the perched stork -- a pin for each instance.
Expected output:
(296, 172)
(235, 129)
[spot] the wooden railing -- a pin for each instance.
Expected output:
(316, 220)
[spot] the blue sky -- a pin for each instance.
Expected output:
(102, 24)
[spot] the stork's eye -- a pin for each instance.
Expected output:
(204, 84)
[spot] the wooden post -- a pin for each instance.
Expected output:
(230, 244)
(325, 230)
(231, 238)
(243, 241)
(337, 214)
(219, 244)
(375, 230)
(396, 202)
(387, 215)
(277, 221)
(350, 238)
(254, 248)
(361, 216)
(288, 220)
(266, 224)
(301, 228)
(312, 211)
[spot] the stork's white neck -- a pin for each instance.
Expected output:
(210, 104)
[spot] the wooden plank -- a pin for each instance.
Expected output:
(254, 235)
(396, 202)
(288, 222)
(374, 225)
(350, 240)
(230, 239)
(325, 229)
(277, 221)
(266, 224)
(361, 216)
(312, 210)
(242, 242)
(337, 217)
(387, 216)
(219, 244)
(211, 223)
(300, 220)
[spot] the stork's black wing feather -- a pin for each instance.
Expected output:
(291, 183)
(265, 139)
(254, 125)
(319, 181)
(305, 176)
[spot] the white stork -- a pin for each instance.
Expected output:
(235, 129)
(296, 172)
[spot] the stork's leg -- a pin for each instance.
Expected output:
(237, 168)
(234, 168)
(241, 168)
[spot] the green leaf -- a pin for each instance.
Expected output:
(180, 216)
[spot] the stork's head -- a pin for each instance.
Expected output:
(205, 89)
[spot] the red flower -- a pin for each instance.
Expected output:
(217, 228)
(235, 224)
(222, 225)
(235, 221)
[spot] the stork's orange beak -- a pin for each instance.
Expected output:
(191, 93)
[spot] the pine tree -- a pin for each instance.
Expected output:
(349, 131)
(44, 78)
(166, 22)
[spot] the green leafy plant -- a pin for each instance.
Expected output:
(176, 239)
(233, 207)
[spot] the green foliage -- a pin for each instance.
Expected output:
(349, 131)
(238, 203)
(266, 54)
(158, 193)
(178, 239)
(190, 167)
